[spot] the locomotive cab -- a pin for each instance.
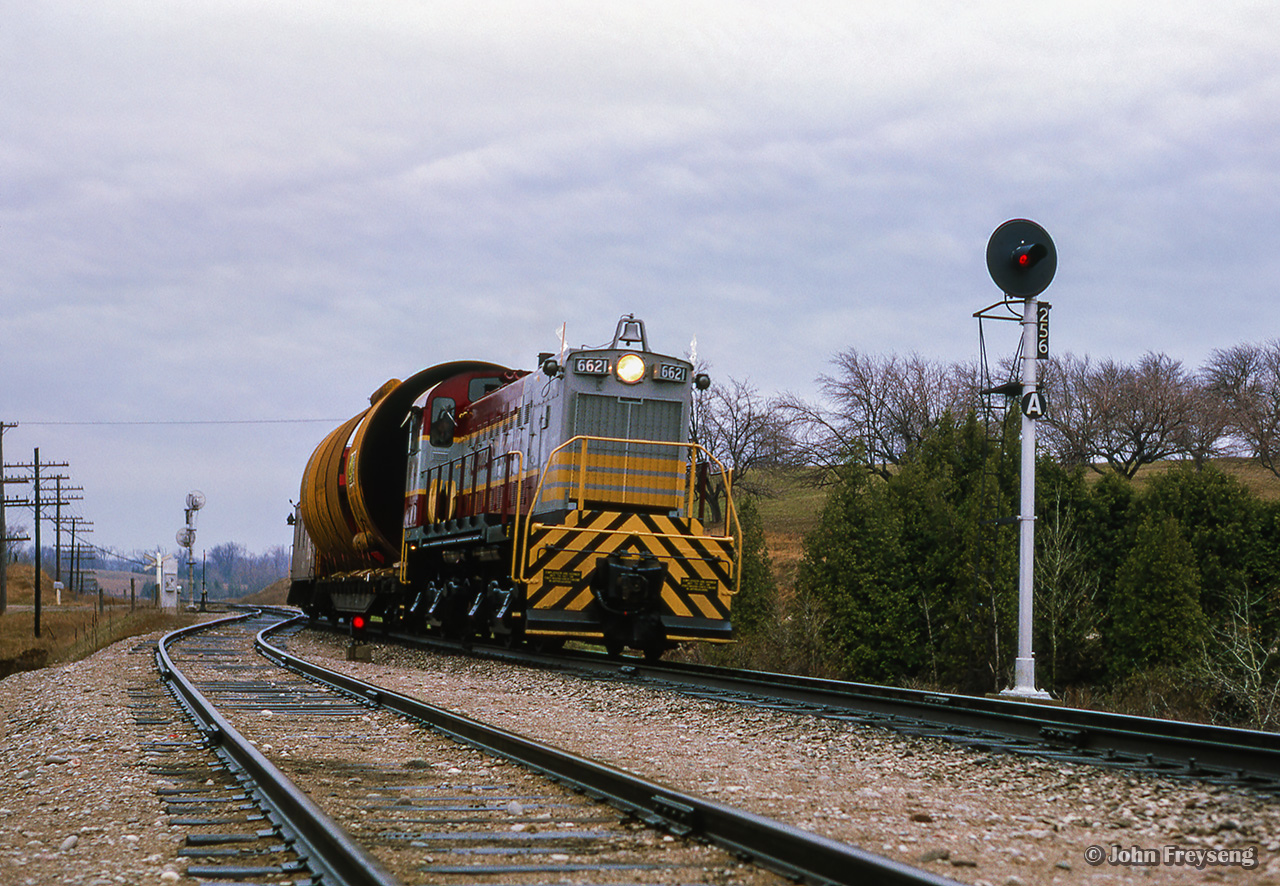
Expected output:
(613, 549)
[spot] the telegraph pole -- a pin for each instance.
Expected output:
(77, 553)
(64, 498)
(35, 485)
(34, 503)
(4, 532)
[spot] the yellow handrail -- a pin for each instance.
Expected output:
(731, 525)
(515, 528)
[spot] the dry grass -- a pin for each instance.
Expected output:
(67, 632)
(785, 552)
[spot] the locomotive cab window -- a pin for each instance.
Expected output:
(478, 387)
(443, 421)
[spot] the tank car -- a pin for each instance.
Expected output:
(560, 503)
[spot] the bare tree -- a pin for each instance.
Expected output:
(1149, 415)
(1240, 661)
(1073, 423)
(1246, 378)
(1208, 433)
(1125, 415)
(877, 407)
(227, 559)
(742, 429)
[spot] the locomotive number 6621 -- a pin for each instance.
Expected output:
(477, 500)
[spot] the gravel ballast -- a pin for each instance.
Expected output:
(78, 806)
(983, 818)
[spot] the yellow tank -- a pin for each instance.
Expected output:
(352, 496)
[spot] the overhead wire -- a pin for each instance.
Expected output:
(232, 421)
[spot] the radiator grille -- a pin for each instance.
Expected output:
(596, 415)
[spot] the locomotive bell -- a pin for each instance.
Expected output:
(630, 331)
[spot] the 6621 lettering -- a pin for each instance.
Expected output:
(591, 366)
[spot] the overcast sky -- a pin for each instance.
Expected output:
(251, 211)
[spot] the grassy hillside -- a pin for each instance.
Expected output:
(792, 503)
(789, 507)
(1257, 479)
(121, 584)
(273, 594)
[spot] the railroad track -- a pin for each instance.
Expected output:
(227, 834)
(1214, 754)
(362, 785)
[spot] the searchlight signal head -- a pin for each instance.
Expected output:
(1021, 258)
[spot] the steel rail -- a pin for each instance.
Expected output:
(786, 849)
(1247, 757)
(327, 848)
(1169, 746)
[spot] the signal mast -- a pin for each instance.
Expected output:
(1022, 260)
(186, 538)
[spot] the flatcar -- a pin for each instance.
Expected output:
(537, 506)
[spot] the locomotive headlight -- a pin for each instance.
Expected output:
(629, 369)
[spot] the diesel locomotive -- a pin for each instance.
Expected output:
(536, 506)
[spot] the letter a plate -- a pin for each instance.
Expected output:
(1033, 405)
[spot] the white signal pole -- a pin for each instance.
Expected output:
(1024, 685)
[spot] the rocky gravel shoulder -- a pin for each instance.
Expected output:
(78, 805)
(982, 818)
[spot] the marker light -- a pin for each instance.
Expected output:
(630, 369)
(357, 622)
